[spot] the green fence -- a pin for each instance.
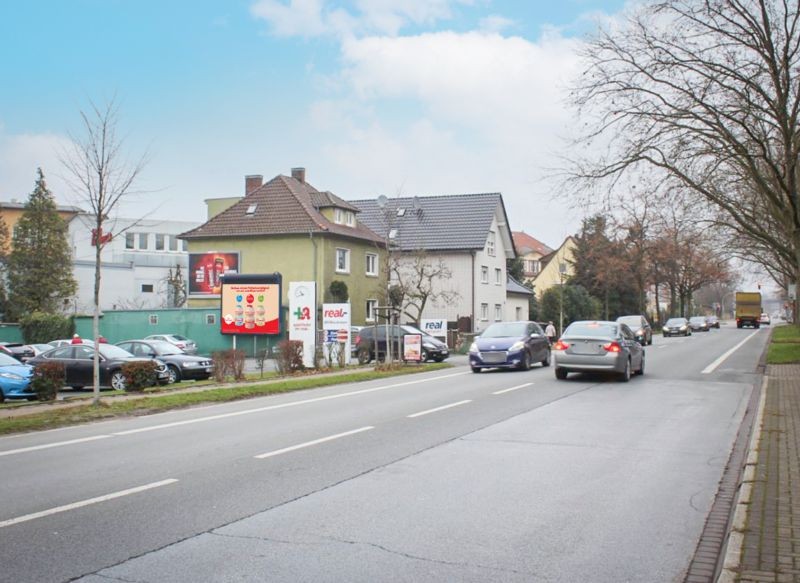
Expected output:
(10, 333)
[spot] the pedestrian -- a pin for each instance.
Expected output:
(76, 339)
(550, 332)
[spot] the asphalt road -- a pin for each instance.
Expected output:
(446, 476)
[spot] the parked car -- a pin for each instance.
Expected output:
(598, 347)
(179, 364)
(40, 348)
(182, 342)
(78, 361)
(15, 379)
(764, 320)
(354, 330)
(510, 345)
(22, 352)
(640, 326)
(713, 322)
(698, 324)
(432, 348)
(676, 327)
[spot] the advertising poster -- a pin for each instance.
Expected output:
(206, 271)
(303, 317)
(251, 304)
(412, 347)
(436, 328)
(336, 323)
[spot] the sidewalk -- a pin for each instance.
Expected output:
(764, 541)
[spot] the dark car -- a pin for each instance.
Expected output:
(179, 364)
(676, 327)
(598, 347)
(367, 346)
(510, 345)
(713, 322)
(640, 327)
(15, 379)
(698, 323)
(22, 352)
(78, 361)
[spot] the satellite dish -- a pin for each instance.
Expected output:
(382, 200)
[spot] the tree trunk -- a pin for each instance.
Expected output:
(96, 315)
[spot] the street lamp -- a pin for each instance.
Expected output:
(562, 272)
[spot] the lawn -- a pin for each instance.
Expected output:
(784, 347)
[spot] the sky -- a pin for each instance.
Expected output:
(372, 97)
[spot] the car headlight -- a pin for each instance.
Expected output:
(640, 332)
(683, 327)
(473, 347)
(517, 346)
(11, 375)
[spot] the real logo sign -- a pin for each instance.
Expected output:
(337, 313)
(433, 326)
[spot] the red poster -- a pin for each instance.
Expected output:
(207, 269)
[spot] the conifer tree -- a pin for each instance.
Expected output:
(40, 264)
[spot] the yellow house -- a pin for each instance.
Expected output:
(556, 267)
(12, 211)
(531, 251)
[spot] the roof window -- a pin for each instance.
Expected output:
(401, 212)
(392, 233)
(251, 210)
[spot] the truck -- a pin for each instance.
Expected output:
(748, 309)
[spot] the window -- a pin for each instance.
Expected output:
(518, 314)
(490, 244)
(342, 260)
(147, 288)
(370, 310)
(154, 319)
(532, 266)
(211, 319)
(159, 242)
(173, 243)
(143, 237)
(251, 210)
(498, 275)
(393, 233)
(401, 212)
(343, 217)
(484, 312)
(372, 264)
(498, 312)
(484, 274)
(129, 241)
(184, 245)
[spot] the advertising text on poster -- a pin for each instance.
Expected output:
(251, 304)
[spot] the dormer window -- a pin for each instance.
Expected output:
(251, 210)
(344, 217)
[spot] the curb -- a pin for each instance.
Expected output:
(733, 548)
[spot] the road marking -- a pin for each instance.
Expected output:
(283, 406)
(443, 407)
(75, 505)
(512, 389)
(310, 443)
(711, 367)
(49, 445)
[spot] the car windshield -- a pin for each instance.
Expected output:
(592, 329)
(698, 319)
(676, 321)
(505, 330)
(164, 348)
(179, 337)
(6, 360)
(111, 351)
(632, 321)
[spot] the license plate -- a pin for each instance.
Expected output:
(493, 357)
(584, 348)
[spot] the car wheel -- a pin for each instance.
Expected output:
(174, 374)
(475, 369)
(363, 356)
(546, 361)
(641, 367)
(526, 361)
(561, 373)
(118, 381)
(626, 374)
(424, 356)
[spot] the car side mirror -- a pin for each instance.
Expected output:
(535, 334)
(152, 355)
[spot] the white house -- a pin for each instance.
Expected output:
(469, 233)
(136, 262)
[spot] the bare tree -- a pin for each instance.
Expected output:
(707, 93)
(102, 177)
(417, 282)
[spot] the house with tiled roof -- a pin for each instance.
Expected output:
(469, 233)
(557, 267)
(530, 251)
(288, 226)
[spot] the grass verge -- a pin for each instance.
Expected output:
(784, 347)
(59, 416)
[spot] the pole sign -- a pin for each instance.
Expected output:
(336, 323)
(436, 328)
(250, 304)
(303, 317)
(412, 347)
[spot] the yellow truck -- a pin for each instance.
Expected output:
(748, 309)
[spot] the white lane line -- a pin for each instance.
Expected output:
(443, 407)
(49, 445)
(711, 367)
(310, 443)
(283, 406)
(512, 389)
(75, 505)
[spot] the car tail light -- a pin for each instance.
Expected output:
(358, 338)
(560, 345)
(612, 347)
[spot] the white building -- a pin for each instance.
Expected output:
(136, 262)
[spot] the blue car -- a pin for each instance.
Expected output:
(15, 379)
(510, 345)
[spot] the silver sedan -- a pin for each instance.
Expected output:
(598, 346)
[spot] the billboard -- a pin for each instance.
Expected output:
(336, 323)
(206, 271)
(303, 317)
(250, 304)
(434, 327)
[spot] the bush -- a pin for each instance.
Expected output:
(228, 363)
(40, 328)
(48, 379)
(290, 356)
(139, 375)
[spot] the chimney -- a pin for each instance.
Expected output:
(299, 174)
(252, 182)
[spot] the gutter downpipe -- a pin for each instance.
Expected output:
(474, 323)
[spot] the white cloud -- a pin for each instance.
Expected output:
(496, 23)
